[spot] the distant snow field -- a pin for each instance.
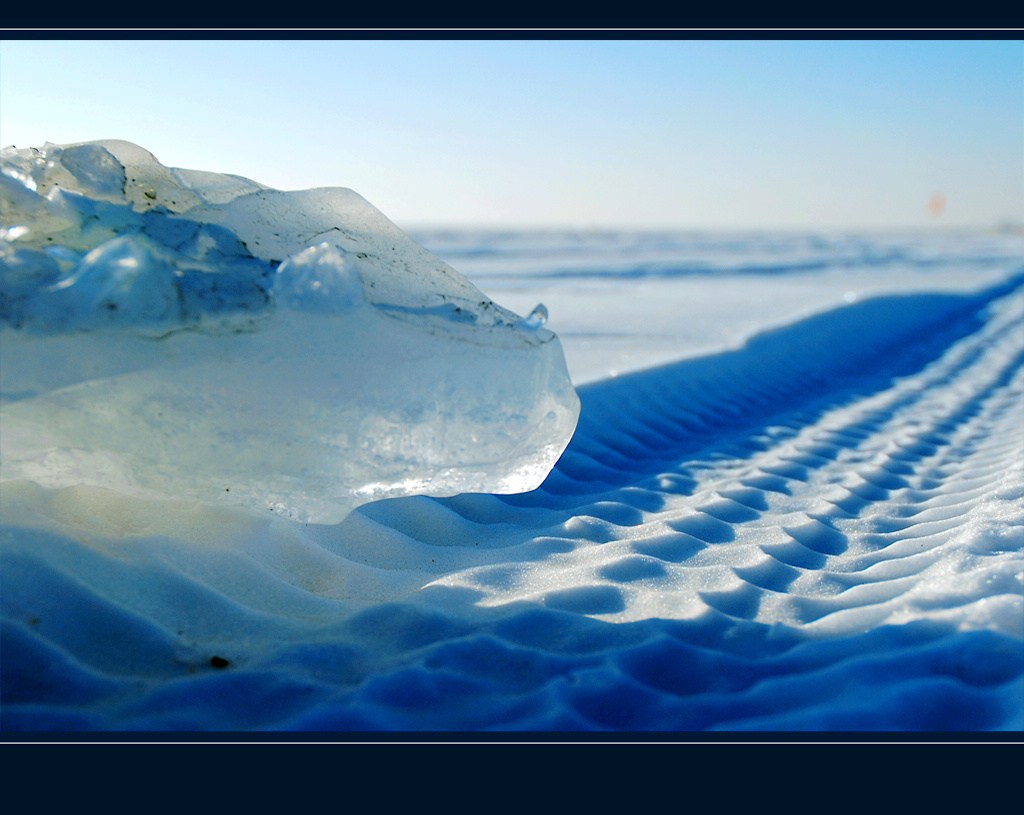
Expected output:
(793, 500)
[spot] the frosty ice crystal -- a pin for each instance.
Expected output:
(177, 333)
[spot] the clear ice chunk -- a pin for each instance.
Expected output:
(185, 334)
(536, 318)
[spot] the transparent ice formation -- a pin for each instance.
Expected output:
(184, 334)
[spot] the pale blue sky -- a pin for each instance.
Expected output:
(658, 133)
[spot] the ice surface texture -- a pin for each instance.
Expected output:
(185, 334)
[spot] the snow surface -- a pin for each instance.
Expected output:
(794, 500)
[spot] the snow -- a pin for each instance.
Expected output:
(794, 500)
(174, 334)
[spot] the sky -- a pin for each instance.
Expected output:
(587, 133)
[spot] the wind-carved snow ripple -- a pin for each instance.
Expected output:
(823, 529)
(836, 494)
